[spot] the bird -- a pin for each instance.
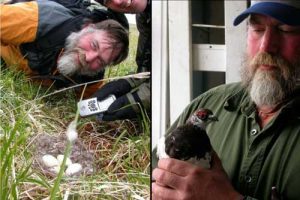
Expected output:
(189, 142)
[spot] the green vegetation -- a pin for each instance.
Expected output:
(120, 149)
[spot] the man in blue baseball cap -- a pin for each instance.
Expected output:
(257, 138)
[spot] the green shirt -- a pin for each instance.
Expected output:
(255, 159)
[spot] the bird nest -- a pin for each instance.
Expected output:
(55, 145)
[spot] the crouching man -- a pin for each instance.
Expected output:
(67, 44)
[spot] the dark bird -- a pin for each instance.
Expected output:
(189, 142)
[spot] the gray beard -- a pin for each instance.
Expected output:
(269, 88)
(67, 65)
(265, 90)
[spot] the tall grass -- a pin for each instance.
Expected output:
(121, 149)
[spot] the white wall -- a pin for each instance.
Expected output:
(160, 68)
(235, 40)
(180, 57)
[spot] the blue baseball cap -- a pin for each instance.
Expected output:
(285, 11)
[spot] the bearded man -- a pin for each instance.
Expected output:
(257, 138)
(62, 41)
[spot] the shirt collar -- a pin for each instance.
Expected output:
(240, 100)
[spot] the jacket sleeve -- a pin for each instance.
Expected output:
(19, 23)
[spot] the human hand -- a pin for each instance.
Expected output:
(176, 179)
(117, 88)
(128, 93)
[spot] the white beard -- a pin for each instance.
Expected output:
(265, 90)
(66, 64)
(269, 88)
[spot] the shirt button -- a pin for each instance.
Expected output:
(253, 132)
(248, 179)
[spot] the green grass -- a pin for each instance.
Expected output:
(121, 149)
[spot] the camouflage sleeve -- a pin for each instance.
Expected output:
(143, 54)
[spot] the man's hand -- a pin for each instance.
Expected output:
(131, 96)
(121, 108)
(117, 88)
(175, 179)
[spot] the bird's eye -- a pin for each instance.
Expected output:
(202, 115)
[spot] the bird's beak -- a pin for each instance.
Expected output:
(213, 118)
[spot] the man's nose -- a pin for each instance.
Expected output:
(270, 42)
(91, 56)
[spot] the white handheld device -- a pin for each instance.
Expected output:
(92, 106)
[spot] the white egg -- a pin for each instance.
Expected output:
(50, 161)
(73, 169)
(60, 159)
(55, 169)
(72, 133)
